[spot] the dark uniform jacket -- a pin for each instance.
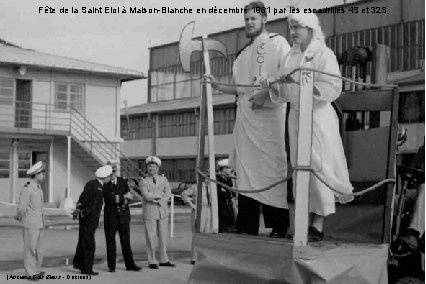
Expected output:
(90, 202)
(224, 196)
(116, 213)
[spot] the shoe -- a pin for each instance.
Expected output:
(112, 270)
(93, 273)
(134, 268)
(42, 273)
(153, 266)
(76, 267)
(232, 230)
(192, 262)
(169, 264)
(314, 235)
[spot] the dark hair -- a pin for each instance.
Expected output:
(257, 6)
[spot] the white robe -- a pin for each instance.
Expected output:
(328, 157)
(259, 157)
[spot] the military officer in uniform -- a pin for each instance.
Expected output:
(224, 197)
(88, 210)
(30, 215)
(117, 219)
(156, 193)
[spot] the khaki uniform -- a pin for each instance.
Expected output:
(189, 196)
(30, 215)
(155, 215)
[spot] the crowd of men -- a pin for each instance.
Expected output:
(106, 189)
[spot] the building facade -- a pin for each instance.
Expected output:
(62, 111)
(167, 125)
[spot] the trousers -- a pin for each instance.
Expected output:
(33, 258)
(152, 227)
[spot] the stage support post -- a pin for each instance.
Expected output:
(304, 146)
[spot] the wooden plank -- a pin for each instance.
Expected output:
(368, 100)
(387, 224)
(304, 148)
(200, 156)
(212, 162)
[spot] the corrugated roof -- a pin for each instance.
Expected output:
(174, 105)
(12, 54)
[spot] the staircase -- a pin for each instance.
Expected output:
(94, 149)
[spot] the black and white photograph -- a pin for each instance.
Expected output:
(222, 142)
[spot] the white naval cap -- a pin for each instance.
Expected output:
(36, 168)
(223, 163)
(153, 159)
(104, 171)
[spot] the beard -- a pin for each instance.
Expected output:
(255, 33)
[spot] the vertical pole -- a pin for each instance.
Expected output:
(68, 166)
(13, 169)
(210, 121)
(172, 216)
(200, 156)
(304, 147)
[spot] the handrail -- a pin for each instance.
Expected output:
(115, 148)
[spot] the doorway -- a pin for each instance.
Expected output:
(44, 157)
(23, 104)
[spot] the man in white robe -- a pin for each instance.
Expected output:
(259, 156)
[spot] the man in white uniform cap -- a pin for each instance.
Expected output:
(88, 210)
(224, 197)
(30, 214)
(156, 193)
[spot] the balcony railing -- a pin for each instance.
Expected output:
(27, 117)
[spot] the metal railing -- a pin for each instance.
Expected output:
(21, 116)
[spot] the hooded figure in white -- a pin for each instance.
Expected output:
(328, 158)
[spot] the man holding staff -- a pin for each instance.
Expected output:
(259, 156)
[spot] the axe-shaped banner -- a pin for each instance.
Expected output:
(187, 45)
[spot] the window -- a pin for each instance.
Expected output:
(224, 120)
(4, 164)
(177, 124)
(24, 163)
(411, 107)
(7, 90)
(67, 95)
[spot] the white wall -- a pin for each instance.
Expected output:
(137, 148)
(101, 109)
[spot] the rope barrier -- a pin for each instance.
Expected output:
(289, 175)
(302, 69)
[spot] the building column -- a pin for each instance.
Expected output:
(50, 173)
(13, 171)
(155, 130)
(68, 167)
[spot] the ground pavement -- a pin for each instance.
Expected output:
(59, 246)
